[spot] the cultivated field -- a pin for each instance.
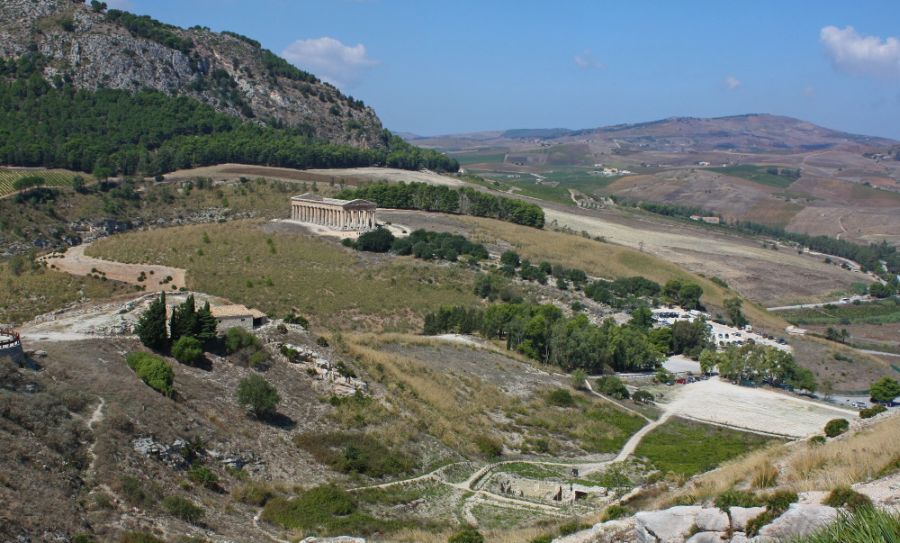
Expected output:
(53, 178)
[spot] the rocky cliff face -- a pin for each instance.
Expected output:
(231, 73)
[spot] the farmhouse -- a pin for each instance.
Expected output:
(333, 213)
(236, 315)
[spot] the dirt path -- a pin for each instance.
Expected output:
(75, 262)
(96, 417)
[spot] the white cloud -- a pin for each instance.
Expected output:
(863, 55)
(331, 60)
(587, 61)
(731, 82)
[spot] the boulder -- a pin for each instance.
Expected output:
(739, 537)
(712, 519)
(799, 520)
(708, 537)
(666, 526)
(740, 516)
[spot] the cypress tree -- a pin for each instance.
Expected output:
(151, 327)
(206, 324)
(184, 320)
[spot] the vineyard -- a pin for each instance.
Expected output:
(54, 178)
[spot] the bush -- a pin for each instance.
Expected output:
(817, 440)
(578, 377)
(614, 512)
(188, 350)
(611, 385)
(257, 396)
(237, 338)
(844, 496)
(140, 537)
(870, 412)
(560, 397)
(642, 396)
(136, 493)
(466, 535)
(488, 446)
(203, 476)
(154, 371)
(836, 427)
(312, 509)
(351, 452)
(375, 241)
(183, 508)
(510, 258)
(737, 498)
(253, 494)
(297, 319)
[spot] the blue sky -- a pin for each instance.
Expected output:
(437, 67)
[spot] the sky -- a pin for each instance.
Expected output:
(441, 67)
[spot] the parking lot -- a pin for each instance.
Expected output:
(723, 334)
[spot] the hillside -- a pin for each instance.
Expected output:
(231, 73)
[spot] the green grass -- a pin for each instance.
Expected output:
(880, 312)
(757, 174)
(324, 510)
(335, 286)
(687, 448)
(54, 178)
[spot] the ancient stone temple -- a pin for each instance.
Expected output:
(333, 213)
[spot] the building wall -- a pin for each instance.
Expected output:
(245, 322)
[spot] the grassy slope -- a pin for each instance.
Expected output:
(337, 287)
(881, 312)
(687, 448)
(610, 261)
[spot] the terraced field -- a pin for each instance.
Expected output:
(54, 178)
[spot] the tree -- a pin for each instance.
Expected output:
(735, 315)
(879, 290)
(708, 360)
(187, 350)
(642, 317)
(257, 396)
(97, 6)
(151, 327)
(184, 320)
(206, 324)
(510, 258)
(78, 184)
(379, 240)
(578, 377)
(884, 390)
(642, 396)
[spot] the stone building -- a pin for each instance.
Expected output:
(336, 214)
(236, 315)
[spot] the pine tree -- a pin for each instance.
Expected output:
(206, 324)
(151, 327)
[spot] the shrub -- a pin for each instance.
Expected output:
(375, 241)
(203, 476)
(140, 537)
(578, 377)
(546, 538)
(253, 494)
(510, 258)
(136, 493)
(776, 504)
(237, 338)
(257, 396)
(297, 319)
(466, 535)
(489, 446)
(318, 507)
(351, 452)
(817, 440)
(765, 476)
(183, 508)
(737, 498)
(642, 396)
(836, 427)
(614, 512)
(870, 412)
(844, 496)
(611, 385)
(188, 350)
(560, 397)
(884, 390)
(154, 371)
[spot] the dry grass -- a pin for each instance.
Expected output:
(601, 259)
(802, 466)
(336, 287)
(494, 536)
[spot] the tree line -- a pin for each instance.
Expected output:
(466, 201)
(113, 132)
(543, 333)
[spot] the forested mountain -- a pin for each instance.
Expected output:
(112, 93)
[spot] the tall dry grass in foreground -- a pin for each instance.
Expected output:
(801, 466)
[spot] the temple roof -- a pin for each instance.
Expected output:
(317, 199)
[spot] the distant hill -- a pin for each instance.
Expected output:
(752, 133)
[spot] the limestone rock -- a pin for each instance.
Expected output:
(799, 520)
(712, 519)
(667, 526)
(708, 537)
(740, 516)
(739, 537)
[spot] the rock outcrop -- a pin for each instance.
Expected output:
(231, 73)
